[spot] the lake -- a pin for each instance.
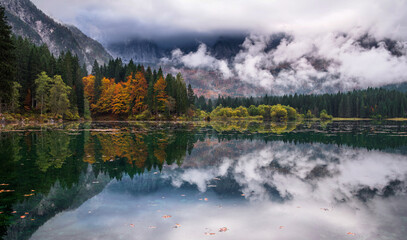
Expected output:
(231, 180)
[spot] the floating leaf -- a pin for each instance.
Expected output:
(205, 199)
(131, 225)
(224, 229)
(23, 216)
(351, 233)
(208, 233)
(281, 227)
(166, 216)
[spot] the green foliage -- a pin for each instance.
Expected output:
(267, 112)
(253, 111)
(358, 103)
(279, 113)
(59, 97)
(42, 84)
(146, 115)
(309, 115)
(15, 97)
(323, 115)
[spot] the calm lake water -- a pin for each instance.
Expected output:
(340, 180)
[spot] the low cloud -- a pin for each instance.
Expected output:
(199, 59)
(323, 63)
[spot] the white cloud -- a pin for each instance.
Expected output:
(383, 17)
(199, 59)
(319, 29)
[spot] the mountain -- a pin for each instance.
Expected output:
(141, 51)
(30, 22)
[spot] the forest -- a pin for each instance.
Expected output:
(367, 103)
(36, 83)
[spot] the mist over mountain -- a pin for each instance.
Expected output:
(30, 22)
(327, 47)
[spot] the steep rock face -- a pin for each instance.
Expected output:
(30, 22)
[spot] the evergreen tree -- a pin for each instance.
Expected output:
(7, 59)
(191, 95)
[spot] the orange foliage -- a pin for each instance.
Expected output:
(89, 88)
(138, 91)
(161, 94)
(121, 99)
(106, 97)
(118, 98)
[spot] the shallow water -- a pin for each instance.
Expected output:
(340, 180)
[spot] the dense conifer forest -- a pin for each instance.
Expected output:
(33, 81)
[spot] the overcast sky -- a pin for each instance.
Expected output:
(110, 20)
(320, 29)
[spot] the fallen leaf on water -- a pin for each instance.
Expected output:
(26, 213)
(200, 199)
(166, 216)
(205, 199)
(182, 195)
(224, 229)
(28, 195)
(177, 225)
(14, 212)
(207, 233)
(22, 216)
(281, 227)
(131, 225)
(243, 195)
(32, 219)
(351, 233)
(1, 212)
(4, 184)
(32, 190)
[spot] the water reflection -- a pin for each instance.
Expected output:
(118, 181)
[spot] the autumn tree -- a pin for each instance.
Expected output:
(121, 99)
(104, 104)
(138, 92)
(160, 94)
(89, 88)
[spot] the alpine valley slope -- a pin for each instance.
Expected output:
(30, 22)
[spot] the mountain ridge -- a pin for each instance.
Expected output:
(30, 22)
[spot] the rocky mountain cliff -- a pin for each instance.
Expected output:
(30, 22)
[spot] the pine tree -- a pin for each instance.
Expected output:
(7, 59)
(191, 95)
